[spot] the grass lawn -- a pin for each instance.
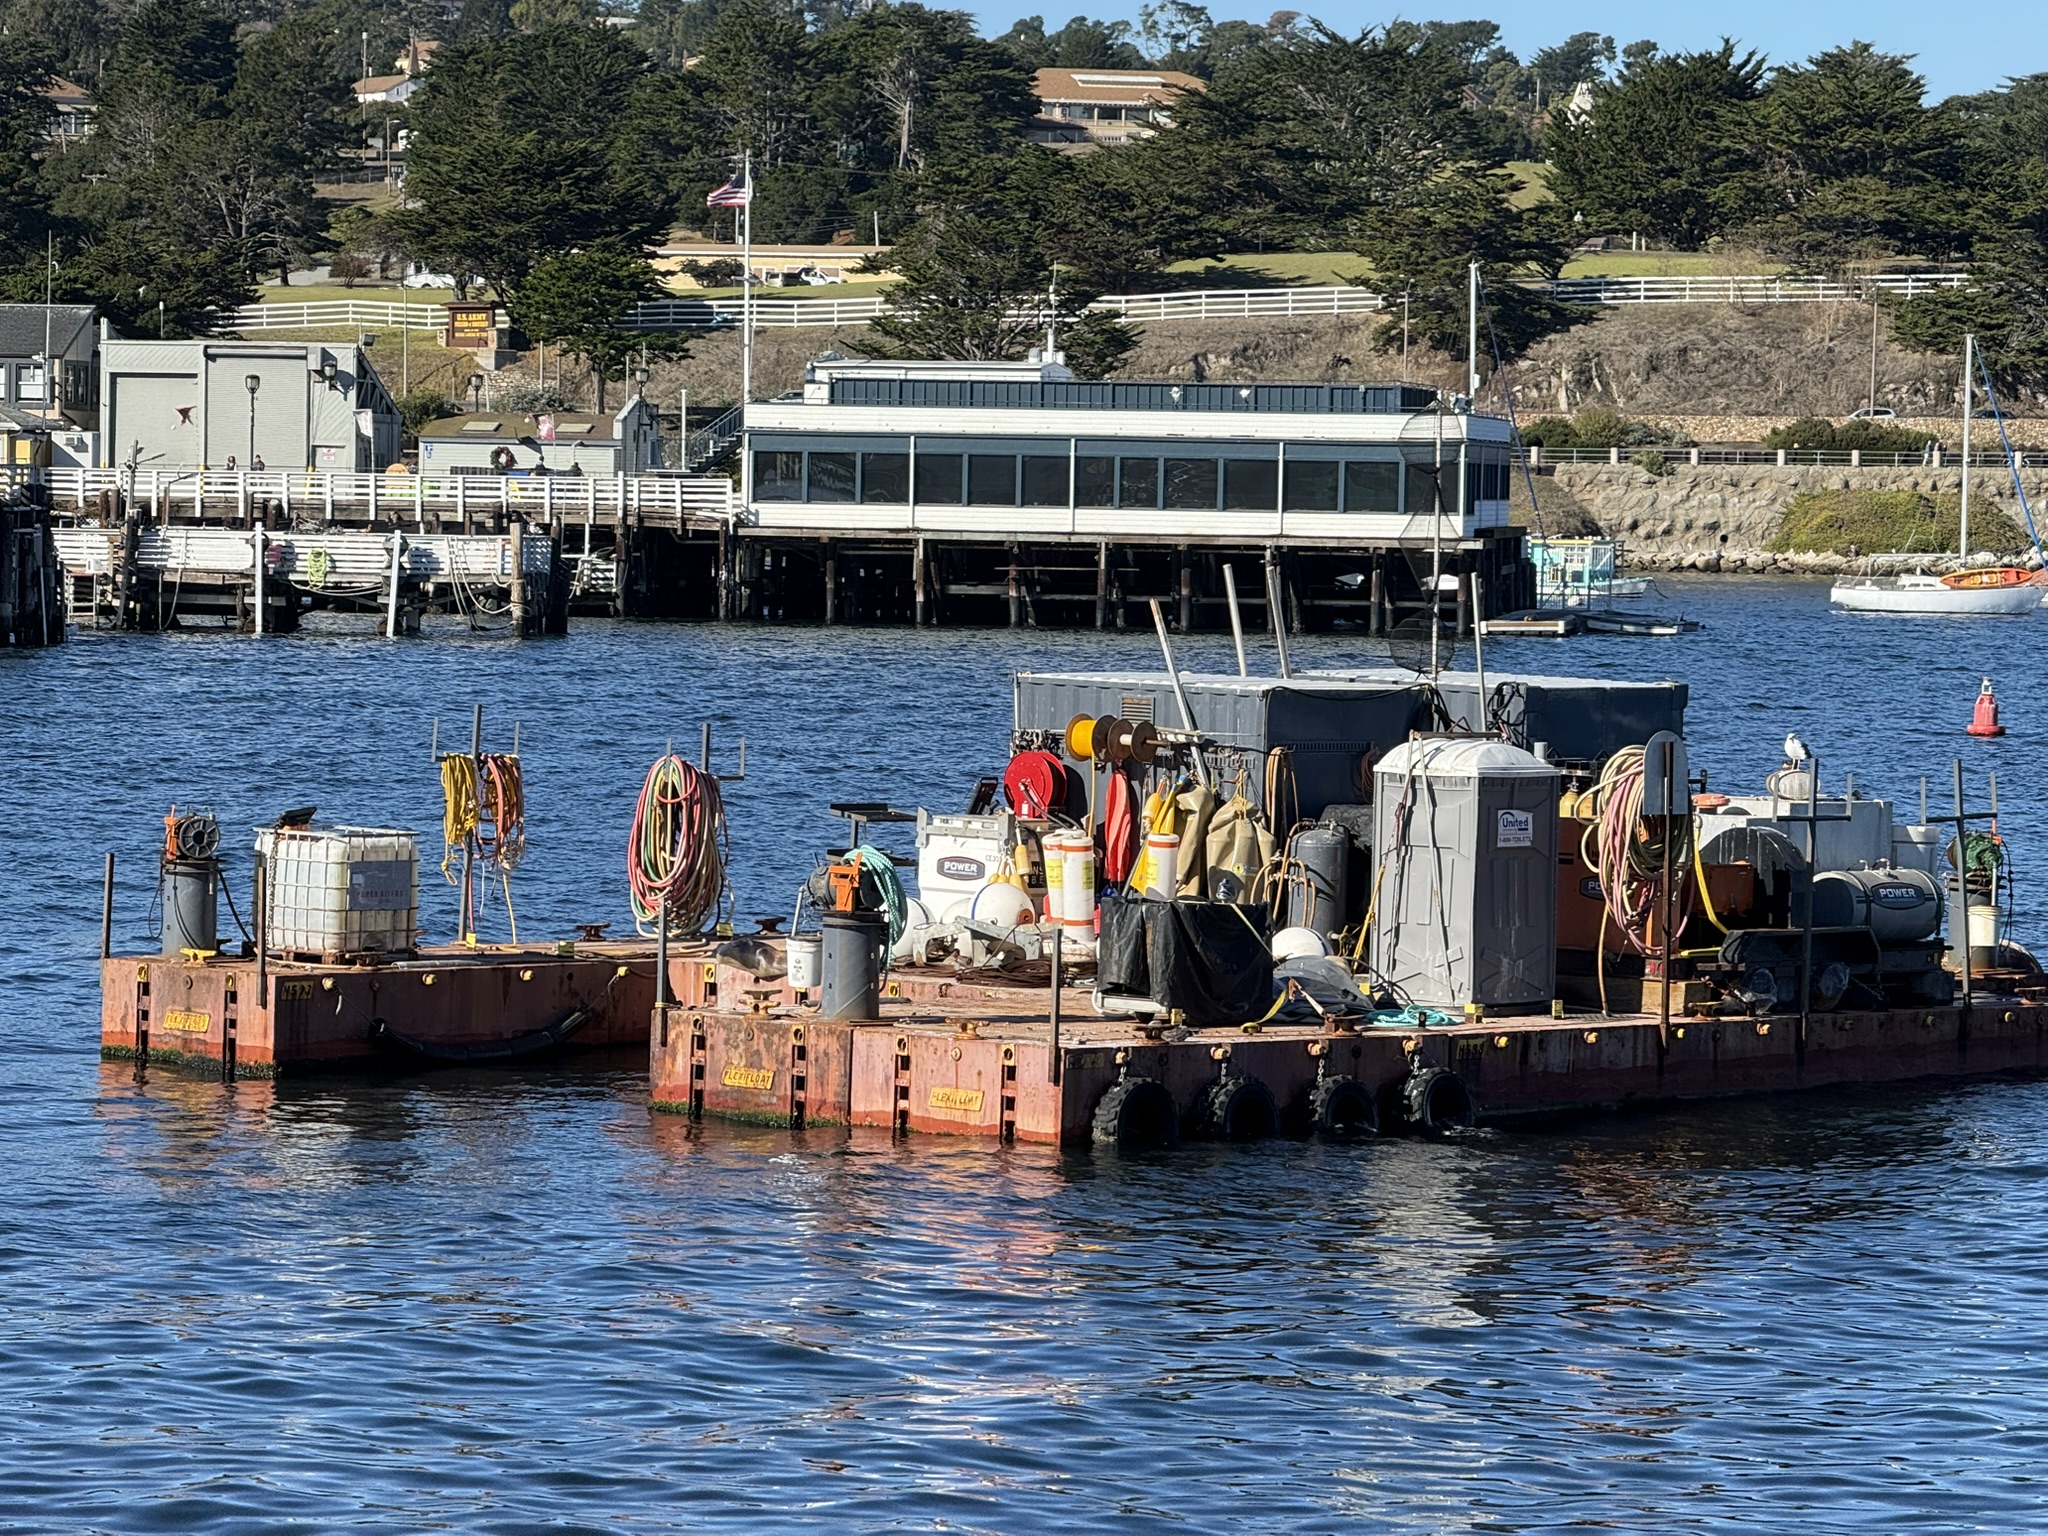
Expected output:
(1294, 269)
(861, 290)
(1535, 183)
(366, 293)
(1666, 264)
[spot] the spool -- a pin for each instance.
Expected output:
(1162, 863)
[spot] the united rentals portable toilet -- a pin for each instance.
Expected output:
(1466, 910)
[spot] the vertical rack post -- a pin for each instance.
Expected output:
(1236, 619)
(1963, 883)
(1663, 898)
(107, 910)
(1052, 1064)
(476, 762)
(262, 919)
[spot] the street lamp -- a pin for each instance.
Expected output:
(640, 377)
(251, 382)
(476, 383)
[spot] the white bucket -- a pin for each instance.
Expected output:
(806, 960)
(1983, 926)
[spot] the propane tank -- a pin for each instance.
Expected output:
(1898, 906)
(1316, 861)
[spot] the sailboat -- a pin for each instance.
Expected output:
(1975, 591)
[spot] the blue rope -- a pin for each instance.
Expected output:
(1414, 1016)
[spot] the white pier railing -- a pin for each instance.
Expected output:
(670, 501)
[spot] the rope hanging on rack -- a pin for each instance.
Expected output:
(676, 854)
(462, 810)
(1627, 851)
(492, 810)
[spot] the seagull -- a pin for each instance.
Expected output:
(1795, 749)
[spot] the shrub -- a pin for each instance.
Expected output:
(721, 272)
(1652, 462)
(1817, 433)
(1873, 522)
(421, 406)
(1598, 428)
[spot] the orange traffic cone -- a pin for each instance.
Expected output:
(1984, 721)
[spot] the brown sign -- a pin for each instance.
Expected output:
(474, 326)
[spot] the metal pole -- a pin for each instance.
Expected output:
(1479, 665)
(1806, 924)
(1052, 1065)
(1963, 884)
(1873, 351)
(256, 547)
(661, 954)
(1276, 611)
(747, 292)
(704, 754)
(1436, 539)
(1663, 899)
(1963, 532)
(262, 920)
(1187, 714)
(107, 910)
(1236, 619)
(391, 597)
(1472, 335)
(476, 758)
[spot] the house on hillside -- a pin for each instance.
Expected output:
(71, 109)
(32, 337)
(1085, 107)
(387, 90)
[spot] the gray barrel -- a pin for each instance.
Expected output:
(1317, 859)
(854, 946)
(191, 905)
(1898, 906)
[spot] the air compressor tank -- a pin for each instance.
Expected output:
(191, 905)
(1317, 861)
(1898, 906)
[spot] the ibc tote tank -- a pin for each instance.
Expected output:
(1467, 906)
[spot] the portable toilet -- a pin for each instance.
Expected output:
(1466, 910)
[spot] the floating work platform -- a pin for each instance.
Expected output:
(448, 1004)
(953, 1056)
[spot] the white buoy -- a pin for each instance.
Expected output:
(1162, 862)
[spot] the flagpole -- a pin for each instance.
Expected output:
(747, 288)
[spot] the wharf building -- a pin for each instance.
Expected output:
(1016, 493)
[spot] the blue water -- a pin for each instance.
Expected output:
(514, 1302)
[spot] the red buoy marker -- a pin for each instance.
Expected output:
(1984, 720)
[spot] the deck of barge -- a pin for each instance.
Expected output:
(954, 1057)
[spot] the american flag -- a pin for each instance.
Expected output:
(734, 194)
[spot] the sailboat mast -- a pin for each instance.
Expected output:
(1969, 380)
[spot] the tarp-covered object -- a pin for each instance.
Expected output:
(1208, 959)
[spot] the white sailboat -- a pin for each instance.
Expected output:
(1977, 591)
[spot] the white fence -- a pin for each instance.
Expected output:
(1195, 304)
(337, 561)
(1747, 290)
(658, 500)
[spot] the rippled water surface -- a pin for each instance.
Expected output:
(516, 1302)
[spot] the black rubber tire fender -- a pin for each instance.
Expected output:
(1135, 1113)
(1437, 1101)
(1238, 1108)
(1341, 1109)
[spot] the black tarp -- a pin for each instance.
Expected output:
(1207, 958)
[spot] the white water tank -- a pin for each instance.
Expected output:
(340, 891)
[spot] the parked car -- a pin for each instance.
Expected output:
(1874, 413)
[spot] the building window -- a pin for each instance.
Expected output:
(1045, 481)
(831, 477)
(1137, 482)
(1095, 482)
(778, 476)
(938, 478)
(1311, 487)
(992, 479)
(1191, 484)
(1250, 485)
(885, 477)
(1422, 488)
(1372, 487)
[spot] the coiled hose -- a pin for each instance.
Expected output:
(878, 866)
(492, 810)
(676, 853)
(1626, 849)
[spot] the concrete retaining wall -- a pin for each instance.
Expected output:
(1720, 517)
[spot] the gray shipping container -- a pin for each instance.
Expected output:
(1467, 902)
(1336, 728)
